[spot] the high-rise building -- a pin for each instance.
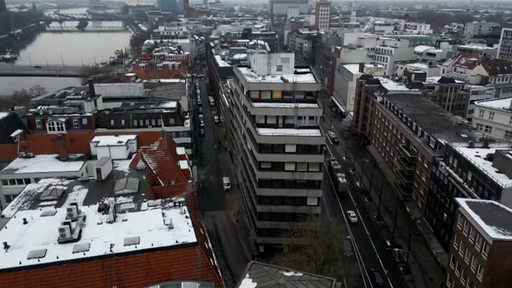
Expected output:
(277, 146)
(505, 47)
(323, 14)
(3, 8)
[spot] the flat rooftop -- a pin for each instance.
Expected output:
(31, 226)
(46, 163)
(500, 104)
(112, 140)
(477, 157)
(430, 117)
(491, 216)
(263, 275)
(301, 75)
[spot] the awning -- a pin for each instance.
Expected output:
(342, 109)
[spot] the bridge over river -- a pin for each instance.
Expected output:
(43, 70)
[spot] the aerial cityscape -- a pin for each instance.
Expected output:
(273, 143)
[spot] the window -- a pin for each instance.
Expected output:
(84, 121)
(459, 221)
(76, 123)
(56, 126)
(289, 166)
(290, 148)
(279, 68)
(478, 243)
(472, 233)
(123, 122)
(480, 273)
(485, 249)
(455, 242)
(461, 248)
(39, 123)
(479, 127)
(265, 165)
(481, 113)
(112, 122)
(508, 134)
(314, 167)
(457, 268)
(266, 95)
(467, 255)
(452, 261)
(491, 115)
(463, 276)
(473, 263)
(487, 129)
(302, 166)
(466, 227)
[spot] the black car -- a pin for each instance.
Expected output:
(376, 277)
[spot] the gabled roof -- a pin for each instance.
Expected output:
(496, 67)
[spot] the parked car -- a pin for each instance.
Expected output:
(216, 119)
(201, 132)
(352, 216)
(201, 123)
(226, 184)
(376, 277)
(332, 136)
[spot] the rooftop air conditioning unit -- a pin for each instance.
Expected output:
(65, 231)
(22, 155)
(72, 212)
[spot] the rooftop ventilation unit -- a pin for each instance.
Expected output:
(65, 231)
(72, 211)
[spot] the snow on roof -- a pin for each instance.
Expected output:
(504, 103)
(283, 105)
(134, 231)
(221, 62)
(418, 65)
(47, 163)
(477, 157)
(113, 140)
(3, 114)
(288, 132)
(422, 48)
(278, 78)
(169, 104)
(352, 68)
(491, 216)
(391, 85)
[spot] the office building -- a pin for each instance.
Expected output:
(505, 46)
(323, 15)
(276, 143)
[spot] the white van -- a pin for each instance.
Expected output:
(226, 184)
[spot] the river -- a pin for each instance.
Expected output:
(68, 48)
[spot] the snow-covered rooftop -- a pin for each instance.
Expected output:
(47, 163)
(491, 216)
(422, 48)
(504, 103)
(221, 62)
(477, 157)
(283, 105)
(278, 78)
(288, 132)
(391, 85)
(3, 114)
(31, 226)
(109, 140)
(148, 228)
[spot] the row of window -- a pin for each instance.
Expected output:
(15, 182)
(289, 148)
(288, 217)
(270, 121)
(76, 122)
(256, 95)
(289, 166)
(288, 184)
(479, 241)
(289, 201)
(462, 275)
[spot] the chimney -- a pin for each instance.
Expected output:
(92, 93)
(361, 67)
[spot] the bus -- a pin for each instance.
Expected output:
(337, 177)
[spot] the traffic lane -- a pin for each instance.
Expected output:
(379, 243)
(212, 196)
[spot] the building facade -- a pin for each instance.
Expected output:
(323, 15)
(494, 118)
(467, 172)
(276, 143)
(481, 245)
(505, 46)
